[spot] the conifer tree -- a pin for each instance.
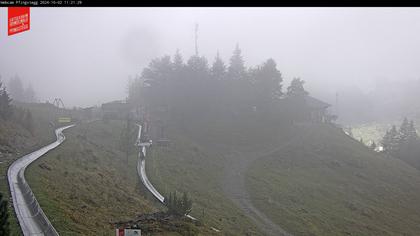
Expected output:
(236, 68)
(391, 141)
(178, 61)
(404, 130)
(267, 81)
(6, 109)
(16, 89)
(412, 132)
(296, 88)
(178, 206)
(218, 70)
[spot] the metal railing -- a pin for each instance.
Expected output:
(31, 217)
(35, 210)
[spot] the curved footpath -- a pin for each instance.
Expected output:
(32, 219)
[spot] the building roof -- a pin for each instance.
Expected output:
(315, 103)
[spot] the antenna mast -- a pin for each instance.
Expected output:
(196, 37)
(336, 102)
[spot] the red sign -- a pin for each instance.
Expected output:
(19, 19)
(120, 232)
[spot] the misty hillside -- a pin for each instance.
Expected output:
(325, 183)
(313, 180)
(210, 121)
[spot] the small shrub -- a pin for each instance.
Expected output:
(178, 206)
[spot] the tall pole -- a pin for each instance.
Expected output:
(196, 38)
(336, 102)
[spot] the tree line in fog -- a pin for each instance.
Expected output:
(195, 88)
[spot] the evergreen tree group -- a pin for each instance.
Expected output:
(6, 109)
(296, 88)
(10, 112)
(195, 89)
(395, 139)
(19, 92)
(177, 205)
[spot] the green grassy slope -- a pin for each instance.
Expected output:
(196, 162)
(85, 184)
(325, 183)
(188, 166)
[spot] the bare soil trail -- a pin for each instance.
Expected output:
(236, 165)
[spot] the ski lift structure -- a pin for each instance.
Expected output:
(63, 116)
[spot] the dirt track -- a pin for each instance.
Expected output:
(234, 186)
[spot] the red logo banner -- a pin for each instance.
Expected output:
(18, 20)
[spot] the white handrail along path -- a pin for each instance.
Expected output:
(32, 219)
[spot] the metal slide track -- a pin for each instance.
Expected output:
(32, 219)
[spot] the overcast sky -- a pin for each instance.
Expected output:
(85, 55)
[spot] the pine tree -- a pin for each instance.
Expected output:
(178, 206)
(6, 109)
(395, 139)
(186, 203)
(236, 68)
(198, 66)
(412, 133)
(4, 215)
(391, 141)
(16, 89)
(404, 131)
(296, 88)
(218, 70)
(178, 61)
(267, 81)
(386, 140)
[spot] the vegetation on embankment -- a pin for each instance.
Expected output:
(325, 183)
(18, 136)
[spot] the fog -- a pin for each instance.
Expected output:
(86, 55)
